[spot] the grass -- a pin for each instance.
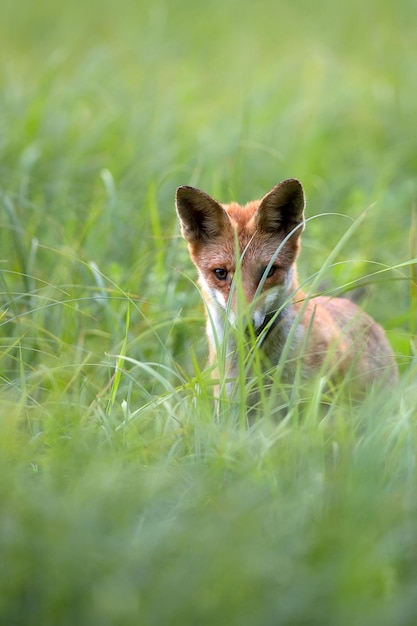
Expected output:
(124, 498)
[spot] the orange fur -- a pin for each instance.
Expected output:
(331, 333)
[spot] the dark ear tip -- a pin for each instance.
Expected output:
(294, 188)
(182, 189)
(185, 191)
(292, 182)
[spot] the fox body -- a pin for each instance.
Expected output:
(257, 245)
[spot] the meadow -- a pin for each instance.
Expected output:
(124, 497)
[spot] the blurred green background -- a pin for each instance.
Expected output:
(122, 500)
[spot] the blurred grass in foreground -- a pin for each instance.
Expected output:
(123, 500)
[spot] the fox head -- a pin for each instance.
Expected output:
(256, 244)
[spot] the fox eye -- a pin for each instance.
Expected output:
(220, 273)
(271, 271)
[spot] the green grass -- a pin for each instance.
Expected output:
(124, 499)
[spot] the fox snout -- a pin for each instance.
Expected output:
(246, 306)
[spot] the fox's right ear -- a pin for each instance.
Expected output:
(282, 209)
(202, 218)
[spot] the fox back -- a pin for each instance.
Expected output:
(257, 245)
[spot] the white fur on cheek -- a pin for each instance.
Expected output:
(219, 297)
(216, 308)
(289, 278)
(232, 317)
(258, 318)
(272, 299)
(268, 304)
(214, 294)
(215, 325)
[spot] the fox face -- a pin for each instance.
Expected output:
(257, 244)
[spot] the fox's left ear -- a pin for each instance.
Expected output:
(282, 209)
(202, 217)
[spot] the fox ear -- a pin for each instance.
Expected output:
(282, 209)
(201, 217)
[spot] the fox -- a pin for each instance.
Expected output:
(258, 244)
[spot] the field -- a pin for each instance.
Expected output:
(124, 497)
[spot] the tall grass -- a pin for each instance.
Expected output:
(126, 496)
